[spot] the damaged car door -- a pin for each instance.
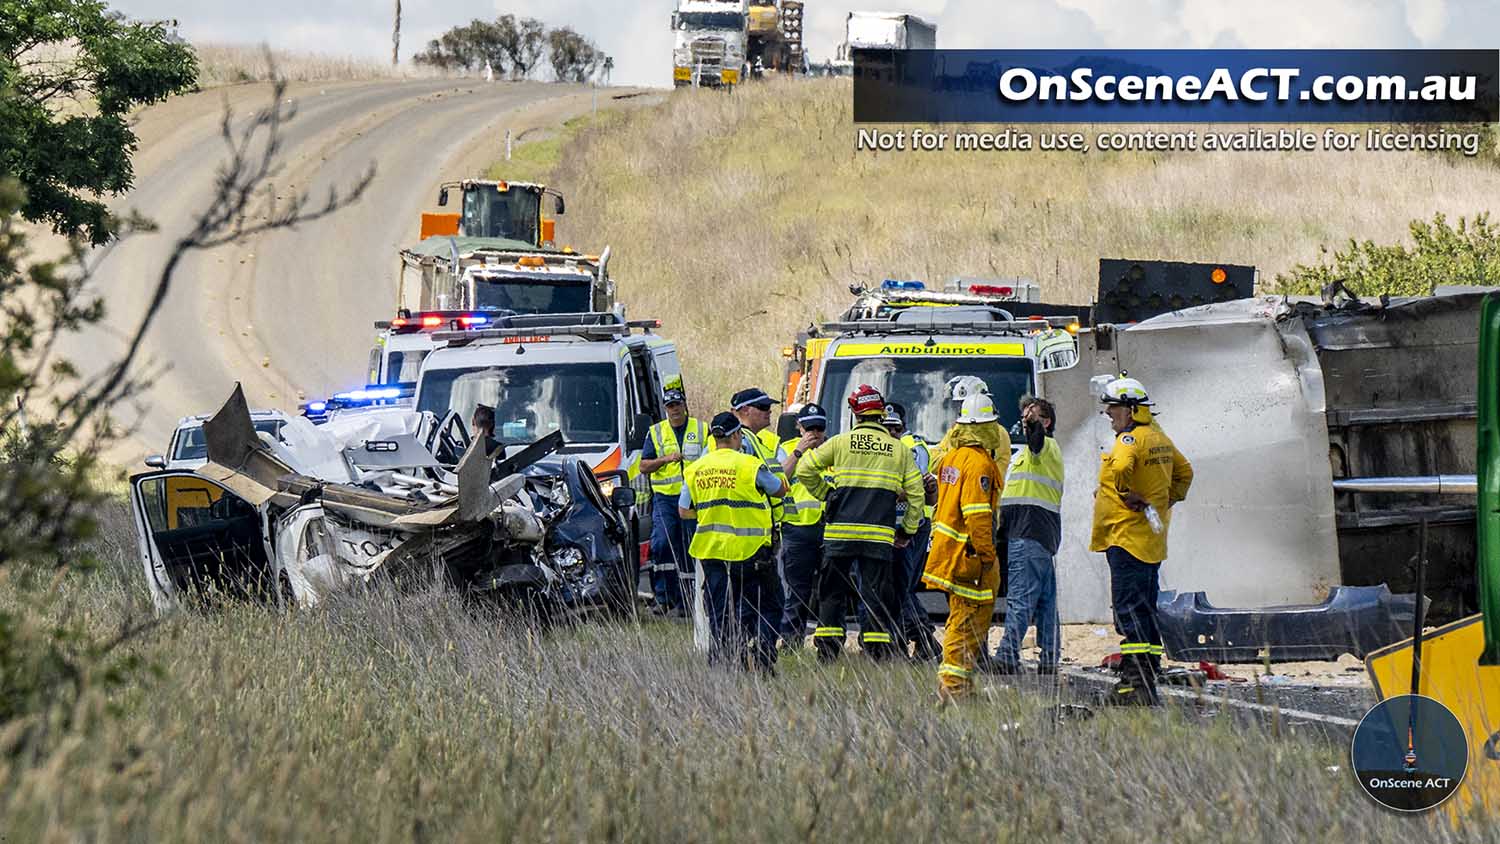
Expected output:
(196, 536)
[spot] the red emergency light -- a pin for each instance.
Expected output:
(435, 320)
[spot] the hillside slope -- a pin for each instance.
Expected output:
(739, 219)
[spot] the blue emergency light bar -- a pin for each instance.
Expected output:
(318, 410)
(893, 284)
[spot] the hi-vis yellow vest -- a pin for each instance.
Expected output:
(695, 443)
(1036, 479)
(802, 507)
(915, 443)
(734, 516)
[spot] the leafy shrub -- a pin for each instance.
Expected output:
(1466, 253)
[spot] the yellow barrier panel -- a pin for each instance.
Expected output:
(1451, 675)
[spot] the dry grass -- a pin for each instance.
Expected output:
(402, 717)
(230, 64)
(740, 219)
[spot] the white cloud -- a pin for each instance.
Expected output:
(638, 36)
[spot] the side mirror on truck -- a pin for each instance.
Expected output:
(443, 196)
(558, 206)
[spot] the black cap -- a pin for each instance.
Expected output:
(812, 416)
(753, 397)
(724, 424)
(673, 396)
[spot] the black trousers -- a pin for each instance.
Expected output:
(743, 603)
(1133, 588)
(871, 583)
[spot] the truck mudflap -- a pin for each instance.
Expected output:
(1354, 620)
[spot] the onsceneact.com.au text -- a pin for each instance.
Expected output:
(1257, 84)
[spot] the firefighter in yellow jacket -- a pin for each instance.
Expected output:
(1140, 479)
(962, 560)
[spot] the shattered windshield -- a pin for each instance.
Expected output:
(711, 20)
(920, 384)
(579, 399)
(192, 446)
(531, 296)
(492, 213)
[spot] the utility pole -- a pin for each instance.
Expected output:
(396, 37)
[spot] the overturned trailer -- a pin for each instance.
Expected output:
(1288, 408)
(389, 493)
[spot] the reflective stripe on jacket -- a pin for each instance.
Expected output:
(870, 471)
(766, 452)
(734, 517)
(917, 444)
(802, 507)
(963, 523)
(695, 443)
(1036, 479)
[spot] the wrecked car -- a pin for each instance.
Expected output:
(385, 493)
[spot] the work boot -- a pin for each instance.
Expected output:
(1126, 693)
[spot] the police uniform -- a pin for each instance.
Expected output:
(727, 491)
(670, 533)
(801, 542)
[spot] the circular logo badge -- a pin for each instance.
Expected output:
(1410, 753)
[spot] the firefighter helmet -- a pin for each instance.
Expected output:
(978, 407)
(1126, 391)
(866, 400)
(961, 387)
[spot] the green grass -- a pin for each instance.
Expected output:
(535, 161)
(399, 716)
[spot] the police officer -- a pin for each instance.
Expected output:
(914, 625)
(1140, 479)
(871, 471)
(753, 408)
(802, 531)
(671, 445)
(729, 492)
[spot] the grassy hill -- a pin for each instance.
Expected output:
(740, 218)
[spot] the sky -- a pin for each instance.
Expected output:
(638, 36)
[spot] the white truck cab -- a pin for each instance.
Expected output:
(595, 377)
(710, 42)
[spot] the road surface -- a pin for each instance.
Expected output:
(289, 313)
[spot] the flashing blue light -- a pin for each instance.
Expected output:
(893, 284)
(317, 406)
(474, 319)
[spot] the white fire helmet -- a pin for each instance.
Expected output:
(961, 387)
(978, 407)
(1126, 391)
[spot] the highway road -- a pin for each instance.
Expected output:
(288, 313)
